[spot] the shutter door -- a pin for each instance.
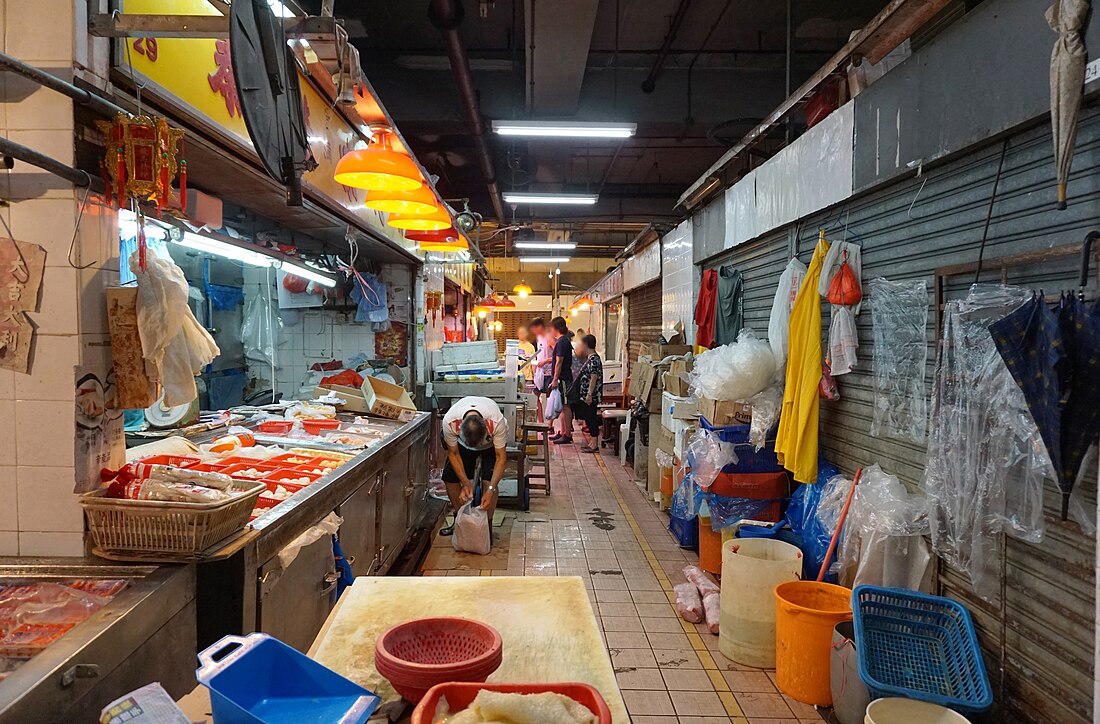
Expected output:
(643, 318)
(512, 321)
(1042, 632)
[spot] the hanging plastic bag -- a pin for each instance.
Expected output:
(765, 415)
(471, 530)
(899, 316)
(329, 525)
(844, 289)
(553, 405)
(726, 511)
(707, 455)
(826, 388)
(686, 499)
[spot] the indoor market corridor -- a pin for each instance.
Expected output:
(598, 525)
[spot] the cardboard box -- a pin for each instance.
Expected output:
(674, 407)
(643, 377)
(388, 400)
(353, 397)
(666, 441)
(659, 351)
(722, 413)
(676, 384)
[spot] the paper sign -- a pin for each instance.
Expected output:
(21, 268)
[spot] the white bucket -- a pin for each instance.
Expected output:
(751, 569)
(910, 711)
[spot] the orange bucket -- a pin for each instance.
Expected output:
(710, 547)
(666, 481)
(805, 614)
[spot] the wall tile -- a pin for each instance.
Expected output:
(48, 222)
(31, 106)
(9, 519)
(9, 543)
(93, 283)
(46, 500)
(40, 30)
(51, 375)
(29, 182)
(7, 384)
(7, 429)
(32, 417)
(58, 312)
(51, 544)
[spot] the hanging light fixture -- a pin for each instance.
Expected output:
(444, 246)
(583, 303)
(394, 201)
(435, 221)
(498, 326)
(378, 167)
(522, 290)
(482, 311)
(436, 236)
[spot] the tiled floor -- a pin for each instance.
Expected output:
(598, 525)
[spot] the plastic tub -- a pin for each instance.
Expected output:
(751, 569)
(316, 427)
(710, 547)
(262, 680)
(460, 695)
(416, 655)
(805, 614)
(910, 711)
(850, 695)
(686, 532)
(276, 427)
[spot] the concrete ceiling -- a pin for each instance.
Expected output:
(587, 60)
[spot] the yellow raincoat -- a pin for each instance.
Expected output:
(796, 441)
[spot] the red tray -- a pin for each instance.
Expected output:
(179, 461)
(232, 470)
(276, 427)
(315, 427)
(279, 476)
(284, 460)
(461, 694)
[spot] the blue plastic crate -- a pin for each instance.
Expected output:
(685, 531)
(257, 679)
(749, 460)
(919, 646)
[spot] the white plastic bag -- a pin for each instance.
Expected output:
(174, 344)
(471, 530)
(734, 371)
(707, 455)
(553, 405)
(329, 525)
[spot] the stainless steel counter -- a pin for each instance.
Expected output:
(146, 633)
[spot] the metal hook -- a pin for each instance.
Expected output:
(76, 229)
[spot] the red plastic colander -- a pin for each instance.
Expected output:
(417, 655)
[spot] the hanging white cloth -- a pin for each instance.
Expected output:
(831, 266)
(843, 341)
(780, 321)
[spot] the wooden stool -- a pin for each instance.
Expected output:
(611, 419)
(534, 434)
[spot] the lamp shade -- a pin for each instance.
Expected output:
(482, 311)
(394, 201)
(378, 168)
(436, 246)
(522, 290)
(435, 221)
(505, 302)
(436, 236)
(583, 303)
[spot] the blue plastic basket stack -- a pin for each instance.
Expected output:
(749, 460)
(921, 647)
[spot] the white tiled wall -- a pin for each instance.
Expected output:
(680, 280)
(39, 514)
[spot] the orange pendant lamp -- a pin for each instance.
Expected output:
(441, 240)
(435, 221)
(378, 167)
(522, 290)
(415, 201)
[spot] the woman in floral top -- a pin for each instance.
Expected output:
(588, 393)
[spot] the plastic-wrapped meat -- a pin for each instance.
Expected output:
(712, 606)
(702, 582)
(688, 602)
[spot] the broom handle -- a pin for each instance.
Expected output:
(839, 526)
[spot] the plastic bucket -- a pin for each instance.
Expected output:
(710, 547)
(751, 569)
(805, 614)
(850, 695)
(910, 711)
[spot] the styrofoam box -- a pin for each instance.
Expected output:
(460, 353)
(676, 408)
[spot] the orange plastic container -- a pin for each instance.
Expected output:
(710, 547)
(666, 481)
(805, 614)
(461, 694)
(316, 427)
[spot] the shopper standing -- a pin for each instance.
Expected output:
(562, 378)
(589, 387)
(544, 358)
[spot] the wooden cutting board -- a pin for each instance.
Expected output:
(546, 624)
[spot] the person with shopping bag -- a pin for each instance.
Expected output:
(474, 430)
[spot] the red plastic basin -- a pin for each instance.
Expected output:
(276, 427)
(461, 694)
(315, 427)
(417, 655)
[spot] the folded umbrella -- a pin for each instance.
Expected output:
(1067, 81)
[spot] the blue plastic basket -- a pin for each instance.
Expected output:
(749, 460)
(257, 679)
(919, 646)
(685, 531)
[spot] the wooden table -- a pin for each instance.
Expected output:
(546, 623)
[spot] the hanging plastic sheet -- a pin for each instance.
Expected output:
(986, 459)
(779, 323)
(707, 455)
(765, 415)
(260, 329)
(686, 499)
(370, 295)
(899, 312)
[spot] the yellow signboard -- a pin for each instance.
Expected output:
(197, 72)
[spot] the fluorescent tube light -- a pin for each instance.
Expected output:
(532, 198)
(564, 129)
(546, 245)
(543, 259)
(223, 249)
(307, 272)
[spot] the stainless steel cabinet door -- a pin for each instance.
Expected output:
(417, 487)
(393, 514)
(295, 602)
(359, 532)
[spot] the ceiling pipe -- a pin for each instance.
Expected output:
(447, 15)
(650, 83)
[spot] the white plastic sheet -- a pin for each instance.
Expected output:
(707, 455)
(986, 459)
(260, 330)
(329, 525)
(734, 371)
(899, 312)
(779, 323)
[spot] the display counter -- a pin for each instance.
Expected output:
(267, 582)
(133, 639)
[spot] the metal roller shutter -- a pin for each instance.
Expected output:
(1038, 640)
(643, 318)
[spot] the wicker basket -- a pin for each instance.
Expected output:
(155, 526)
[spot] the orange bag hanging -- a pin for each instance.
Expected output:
(844, 289)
